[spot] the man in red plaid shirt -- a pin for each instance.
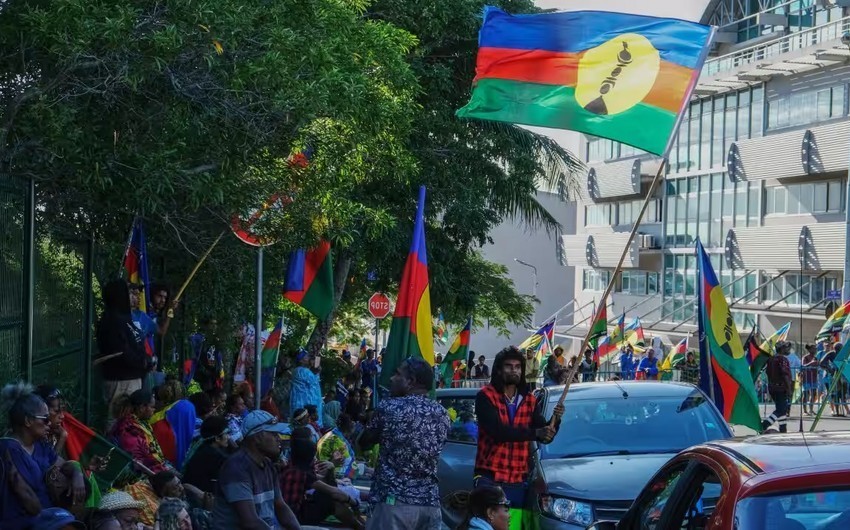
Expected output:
(509, 419)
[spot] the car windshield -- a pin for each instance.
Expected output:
(803, 510)
(634, 425)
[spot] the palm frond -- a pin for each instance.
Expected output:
(561, 168)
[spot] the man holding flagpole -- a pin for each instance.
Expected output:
(509, 419)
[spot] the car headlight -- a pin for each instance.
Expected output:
(567, 510)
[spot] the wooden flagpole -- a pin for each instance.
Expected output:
(659, 176)
(198, 266)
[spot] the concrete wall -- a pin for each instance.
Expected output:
(555, 282)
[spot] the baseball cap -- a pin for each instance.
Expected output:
(56, 519)
(258, 421)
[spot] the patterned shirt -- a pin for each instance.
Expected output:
(413, 431)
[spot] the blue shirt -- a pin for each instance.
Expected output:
(244, 479)
(31, 468)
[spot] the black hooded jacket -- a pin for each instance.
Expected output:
(117, 333)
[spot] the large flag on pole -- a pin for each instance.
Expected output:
(769, 344)
(598, 329)
(411, 331)
(634, 333)
(136, 262)
(674, 359)
(547, 330)
(833, 325)
(268, 358)
(724, 372)
(618, 76)
(618, 333)
(458, 352)
(309, 280)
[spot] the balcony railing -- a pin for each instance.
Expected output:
(774, 48)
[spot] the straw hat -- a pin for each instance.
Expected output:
(119, 500)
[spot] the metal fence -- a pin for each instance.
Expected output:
(810, 395)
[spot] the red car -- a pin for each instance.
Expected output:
(794, 481)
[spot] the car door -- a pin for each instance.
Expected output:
(686, 495)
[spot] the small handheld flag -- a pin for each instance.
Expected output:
(268, 358)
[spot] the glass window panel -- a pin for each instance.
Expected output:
(690, 283)
(824, 104)
(717, 181)
(705, 136)
(693, 142)
(780, 206)
(820, 197)
(793, 205)
(769, 199)
(753, 198)
(652, 283)
(757, 113)
(838, 101)
(728, 203)
(835, 194)
(806, 198)
(743, 129)
(741, 200)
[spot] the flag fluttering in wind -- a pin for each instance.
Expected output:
(614, 75)
(309, 280)
(547, 330)
(411, 331)
(440, 332)
(598, 329)
(268, 358)
(724, 371)
(363, 349)
(769, 344)
(674, 359)
(136, 262)
(458, 351)
(834, 324)
(607, 349)
(83, 444)
(618, 334)
(634, 333)
(756, 357)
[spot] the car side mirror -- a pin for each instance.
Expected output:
(603, 525)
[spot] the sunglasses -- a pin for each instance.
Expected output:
(504, 504)
(42, 418)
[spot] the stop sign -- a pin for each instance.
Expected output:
(379, 305)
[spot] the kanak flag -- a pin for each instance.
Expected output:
(411, 331)
(309, 280)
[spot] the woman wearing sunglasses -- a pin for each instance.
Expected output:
(56, 436)
(27, 460)
(487, 509)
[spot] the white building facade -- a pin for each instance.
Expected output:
(758, 172)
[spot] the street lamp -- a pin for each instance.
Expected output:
(533, 287)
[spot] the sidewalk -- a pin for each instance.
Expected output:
(826, 423)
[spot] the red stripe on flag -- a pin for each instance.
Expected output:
(414, 280)
(313, 261)
(532, 66)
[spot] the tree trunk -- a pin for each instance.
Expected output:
(323, 327)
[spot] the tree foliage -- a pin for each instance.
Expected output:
(187, 111)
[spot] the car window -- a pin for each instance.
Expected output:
(464, 428)
(661, 488)
(703, 493)
(636, 425)
(822, 509)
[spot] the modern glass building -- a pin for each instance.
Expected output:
(758, 172)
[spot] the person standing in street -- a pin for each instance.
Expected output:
(306, 387)
(648, 367)
(532, 368)
(411, 430)
(588, 367)
(509, 419)
(481, 370)
(809, 377)
(627, 363)
(780, 385)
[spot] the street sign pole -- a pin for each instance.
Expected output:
(375, 378)
(258, 331)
